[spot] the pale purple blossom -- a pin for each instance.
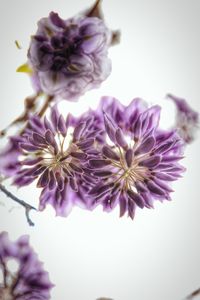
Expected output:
(28, 281)
(9, 155)
(187, 119)
(69, 57)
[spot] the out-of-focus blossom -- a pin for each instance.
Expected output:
(140, 161)
(9, 163)
(29, 281)
(55, 153)
(187, 120)
(69, 57)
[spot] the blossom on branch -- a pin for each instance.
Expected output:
(187, 120)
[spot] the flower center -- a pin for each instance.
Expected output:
(128, 169)
(62, 156)
(59, 158)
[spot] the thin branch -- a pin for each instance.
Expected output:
(30, 105)
(95, 10)
(193, 294)
(48, 100)
(26, 206)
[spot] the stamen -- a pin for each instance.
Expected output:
(129, 172)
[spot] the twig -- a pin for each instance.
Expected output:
(193, 294)
(49, 99)
(29, 105)
(95, 10)
(27, 206)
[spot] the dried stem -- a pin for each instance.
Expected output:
(30, 105)
(26, 206)
(95, 10)
(42, 111)
(193, 294)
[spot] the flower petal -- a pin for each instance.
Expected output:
(120, 138)
(154, 188)
(44, 179)
(136, 198)
(129, 157)
(146, 146)
(109, 153)
(99, 163)
(151, 162)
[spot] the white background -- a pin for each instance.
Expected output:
(93, 254)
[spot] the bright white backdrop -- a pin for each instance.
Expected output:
(88, 255)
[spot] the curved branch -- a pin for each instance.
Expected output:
(26, 206)
(48, 100)
(193, 294)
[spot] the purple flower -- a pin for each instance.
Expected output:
(187, 120)
(29, 281)
(55, 153)
(139, 162)
(9, 163)
(69, 57)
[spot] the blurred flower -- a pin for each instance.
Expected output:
(55, 153)
(187, 120)
(9, 163)
(69, 57)
(135, 168)
(29, 281)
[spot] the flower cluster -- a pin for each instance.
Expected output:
(113, 156)
(29, 281)
(69, 57)
(187, 120)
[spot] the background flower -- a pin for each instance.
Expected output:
(29, 281)
(187, 120)
(69, 57)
